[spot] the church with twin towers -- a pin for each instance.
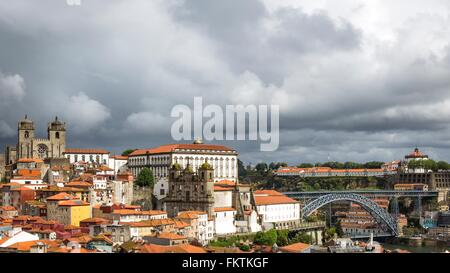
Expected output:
(29, 146)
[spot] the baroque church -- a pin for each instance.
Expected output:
(28, 146)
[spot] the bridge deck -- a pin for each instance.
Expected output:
(379, 193)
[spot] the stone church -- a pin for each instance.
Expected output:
(189, 190)
(29, 146)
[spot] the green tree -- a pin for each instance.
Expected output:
(245, 248)
(333, 165)
(282, 237)
(442, 165)
(317, 186)
(301, 237)
(373, 165)
(268, 238)
(305, 165)
(128, 152)
(145, 178)
(261, 168)
(352, 165)
(241, 169)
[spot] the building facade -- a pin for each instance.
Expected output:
(98, 156)
(189, 190)
(29, 146)
(160, 159)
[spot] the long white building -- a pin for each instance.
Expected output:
(160, 159)
(98, 156)
(276, 210)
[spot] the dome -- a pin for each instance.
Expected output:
(176, 166)
(206, 166)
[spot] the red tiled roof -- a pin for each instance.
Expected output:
(8, 208)
(94, 220)
(79, 184)
(73, 203)
(225, 183)
(120, 157)
(224, 209)
(29, 173)
(151, 248)
(170, 236)
(218, 188)
(295, 248)
(150, 223)
(274, 200)
(190, 214)
(22, 189)
(60, 196)
(267, 192)
(30, 160)
(173, 147)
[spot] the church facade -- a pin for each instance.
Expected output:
(29, 146)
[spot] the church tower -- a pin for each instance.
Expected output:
(26, 136)
(57, 137)
(189, 190)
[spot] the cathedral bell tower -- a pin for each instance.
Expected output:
(26, 136)
(57, 137)
(206, 178)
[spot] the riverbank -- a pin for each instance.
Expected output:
(416, 244)
(416, 249)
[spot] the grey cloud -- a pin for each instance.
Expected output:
(114, 70)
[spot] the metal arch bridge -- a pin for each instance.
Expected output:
(382, 217)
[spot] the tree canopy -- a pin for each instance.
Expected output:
(128, 152)
(145, 178)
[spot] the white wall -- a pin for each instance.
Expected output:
(279, 212)
(224, 222)
(223, 199)
(104, 158)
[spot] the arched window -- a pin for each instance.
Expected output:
(57, 135)
(27, 134)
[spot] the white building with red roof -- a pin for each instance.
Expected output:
(276, 210)
(98, 156)
(223, 159)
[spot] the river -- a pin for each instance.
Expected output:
(418, 249)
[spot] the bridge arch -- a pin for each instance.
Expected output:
(379, 214)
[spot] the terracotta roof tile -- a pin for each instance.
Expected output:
(173, 147)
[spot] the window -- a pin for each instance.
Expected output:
(27, 134)
(57, 135)
(162, 192)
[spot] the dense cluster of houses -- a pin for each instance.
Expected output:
(84, 204)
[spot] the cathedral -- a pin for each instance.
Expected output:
(28, 146)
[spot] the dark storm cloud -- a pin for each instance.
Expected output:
(113, 70)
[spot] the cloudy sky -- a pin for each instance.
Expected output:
(355, 80)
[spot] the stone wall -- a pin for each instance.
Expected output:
(143, 196)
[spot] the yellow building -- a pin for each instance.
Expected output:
(71, 212)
